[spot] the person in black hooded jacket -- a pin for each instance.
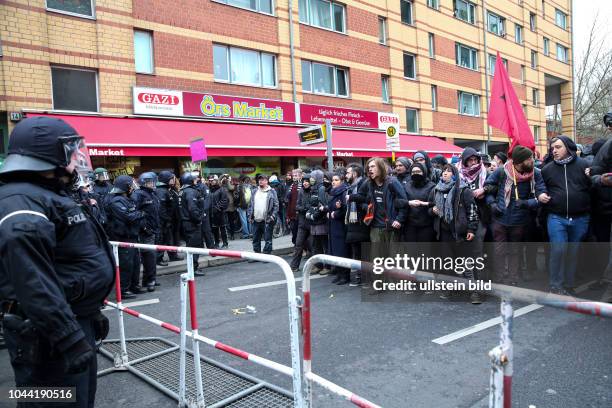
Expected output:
(316, 214)
(433, 172)
(401, 170)
(302, 240)
(419, 223)
(568, 209)
(357, 231)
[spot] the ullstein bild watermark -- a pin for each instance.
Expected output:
(447, 265)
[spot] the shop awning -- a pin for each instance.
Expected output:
(142, 136)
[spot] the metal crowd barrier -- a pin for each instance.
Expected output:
(188, 285)
(500, 394)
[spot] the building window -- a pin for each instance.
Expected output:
(536, 134)
(382, 30)
(524, 106)
(432, 50)
(466, 57)
(496, 24)
(535, 96)
(523, 74)
(76, 7)
(492, 60)
(469, 104)
(434, 97)
(384, 81)
(262, 6)
(518, 34)
(406, 10)
(409, 66)
(546, 46)
(532, 21)
(74, 89)
(143, 52)
(323, 14)
(534, 59)
(466, 11)
(324, 79)
(244, 67)
(434, 4)
(561, 19)
(412, 120)
(561, 53)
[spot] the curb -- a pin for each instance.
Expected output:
(210, 261)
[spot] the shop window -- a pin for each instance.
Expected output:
(74, 89)
(75, 7)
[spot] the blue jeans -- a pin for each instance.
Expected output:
(563, 257)
(246, 227)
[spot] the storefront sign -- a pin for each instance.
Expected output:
(233, 107)
(392, 139)
(347, 117)
(312, 135)
(148, 101)
(344, 154)
(105, 152)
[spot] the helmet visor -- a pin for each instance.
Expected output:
(76, 155)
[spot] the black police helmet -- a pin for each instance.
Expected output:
(35, 145)
(165, 176)
(122, 184)
(187, 178)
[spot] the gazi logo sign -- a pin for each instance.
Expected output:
(149, 101)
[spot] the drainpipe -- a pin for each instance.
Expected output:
(573, 72)
(484, 33)
(292, 50)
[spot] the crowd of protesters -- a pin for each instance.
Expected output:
(472, 198)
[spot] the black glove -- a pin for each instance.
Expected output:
(77, 357)
(496, 210)
(101, 326)
(522, 203)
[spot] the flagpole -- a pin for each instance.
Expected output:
(515, 185)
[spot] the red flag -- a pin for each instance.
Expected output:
(505, 110)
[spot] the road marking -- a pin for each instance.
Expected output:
(482, 326)
(266, 284)
(495, 321)
(136, 303)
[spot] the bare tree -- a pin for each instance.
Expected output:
(593, 86)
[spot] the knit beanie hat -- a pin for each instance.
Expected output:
(521, 153)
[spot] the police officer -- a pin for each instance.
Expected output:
(147, 201)
(207, 233)
(123, 224)
(168, 203)
(102, 185)
(192, 208)
(56, 266)
(219, 203)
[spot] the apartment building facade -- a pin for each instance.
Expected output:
(140, 79)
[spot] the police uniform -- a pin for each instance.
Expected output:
(147, 201)
(123, 224)
(168, 207)
(207, 233)
(56, 266)
(192, 209)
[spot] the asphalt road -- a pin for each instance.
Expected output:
(382, 349)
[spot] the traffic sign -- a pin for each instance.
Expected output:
(312, 135)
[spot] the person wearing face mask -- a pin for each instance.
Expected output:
(433, 171)
(319, 228)
(455, 218)
(569, 207)
(419, 223)
(303, 231)
(401, 170)
(513, 192)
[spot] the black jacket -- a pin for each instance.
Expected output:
(168, 204)
(602, 164)
(392, 190)
(303, 203)
(54, 260)
(358, 231)
(419, 216)
(124, 219)
(568, 187)
(192, 207)
(219, 200)
(101, 192)
(148, 202)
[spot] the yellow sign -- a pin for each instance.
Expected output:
(391, 131)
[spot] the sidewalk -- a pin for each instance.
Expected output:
(281, 246)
